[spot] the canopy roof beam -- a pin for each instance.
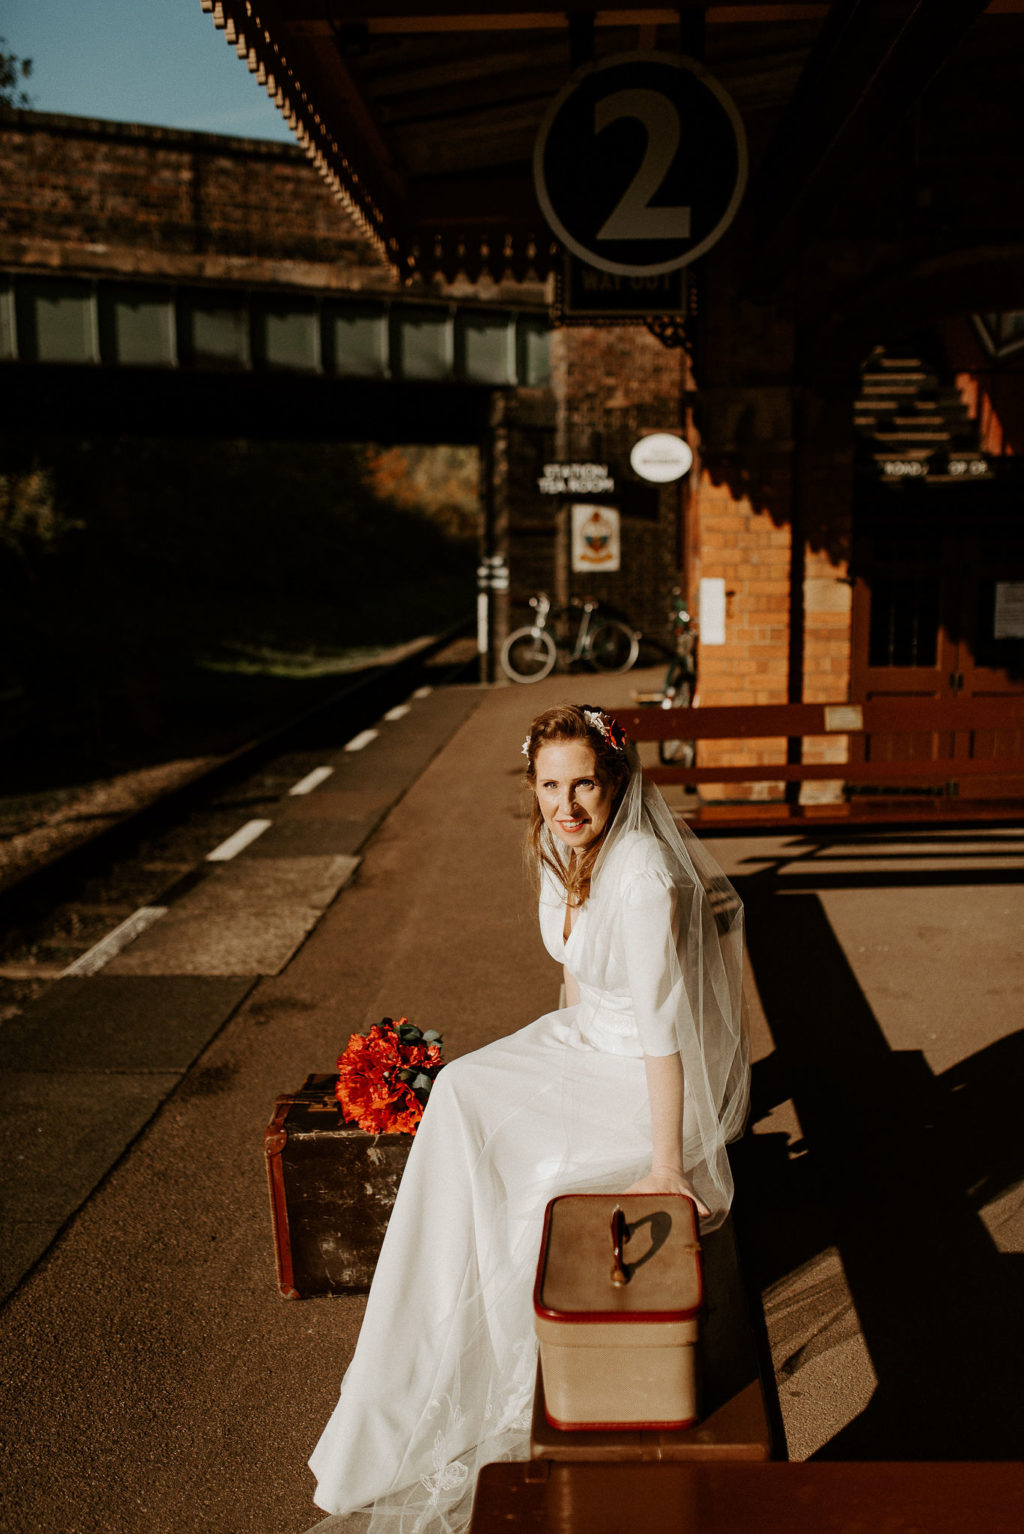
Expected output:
(865, 73)
(411, 16)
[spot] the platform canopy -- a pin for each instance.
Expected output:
(422, 114)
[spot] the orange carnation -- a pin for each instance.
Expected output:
(385, 1076)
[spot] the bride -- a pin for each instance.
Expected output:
(635, 1085)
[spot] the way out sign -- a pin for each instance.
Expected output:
(640, 163)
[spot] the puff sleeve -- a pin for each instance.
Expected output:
(650, 918)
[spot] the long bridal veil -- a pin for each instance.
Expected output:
(686, 971)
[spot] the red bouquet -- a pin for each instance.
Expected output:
(385, 1076)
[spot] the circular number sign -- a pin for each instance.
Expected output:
(640, 163)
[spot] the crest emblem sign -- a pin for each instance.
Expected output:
(595, 538)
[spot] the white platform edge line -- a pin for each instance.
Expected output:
(362, 739)
(312, 780)
(238, 841)
(110, 946)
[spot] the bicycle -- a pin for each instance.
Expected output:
(529, 653)
(680, 688)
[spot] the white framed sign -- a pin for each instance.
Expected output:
(596, 545)
(712, 610)
(1009, 614)
(661, 458)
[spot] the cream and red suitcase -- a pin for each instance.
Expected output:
(618, 1289)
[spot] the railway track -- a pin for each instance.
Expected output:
(55, 914)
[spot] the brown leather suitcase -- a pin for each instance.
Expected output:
(332, 1187)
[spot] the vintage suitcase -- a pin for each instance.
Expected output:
(332, 1186)
(737, 1404)
(618, 1289)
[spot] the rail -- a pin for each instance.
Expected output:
(984, 742)
(361, 696)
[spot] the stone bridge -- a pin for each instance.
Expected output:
(160, 261)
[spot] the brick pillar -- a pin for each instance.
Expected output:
(739, 543)
(741, 517)
(826, 460)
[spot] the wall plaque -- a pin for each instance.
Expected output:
(595, 539)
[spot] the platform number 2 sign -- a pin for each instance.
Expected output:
(640, 163)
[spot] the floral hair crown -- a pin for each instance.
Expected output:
(608, 728)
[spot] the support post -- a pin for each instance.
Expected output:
(797, 574)
(492, 569)
(484, 594)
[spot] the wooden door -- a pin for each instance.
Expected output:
(929, 564)
(989, 666)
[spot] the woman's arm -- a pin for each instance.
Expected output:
(665, 1091)
(572, 990)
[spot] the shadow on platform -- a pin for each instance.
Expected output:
(894, 1169)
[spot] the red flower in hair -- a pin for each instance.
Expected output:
(606, 726)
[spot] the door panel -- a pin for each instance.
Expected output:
(990, 667)
(900, 646)
(927, 568)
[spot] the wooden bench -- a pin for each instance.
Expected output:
(963, 757)
(548, 1497)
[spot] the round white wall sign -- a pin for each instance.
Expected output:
(661, 458)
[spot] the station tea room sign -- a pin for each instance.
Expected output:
(575, 479)
(595, 538)
(640, 163)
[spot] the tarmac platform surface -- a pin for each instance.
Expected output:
(154, 1380)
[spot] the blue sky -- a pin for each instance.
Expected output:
(146, 61)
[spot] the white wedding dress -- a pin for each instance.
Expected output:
(443, 1375)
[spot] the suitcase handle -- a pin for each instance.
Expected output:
(620, 1235)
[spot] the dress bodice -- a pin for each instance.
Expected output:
(616, 980)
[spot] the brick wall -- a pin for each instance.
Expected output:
(612, 385)
(741, 513)
(740, 544)
(87, 196)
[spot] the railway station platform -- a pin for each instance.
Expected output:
(153, 1378)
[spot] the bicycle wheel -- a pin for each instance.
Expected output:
(678, 694)
(528, 655)
(612, 646)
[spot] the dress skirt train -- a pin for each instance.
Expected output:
(443, 1375)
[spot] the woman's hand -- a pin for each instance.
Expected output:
(669, 1180)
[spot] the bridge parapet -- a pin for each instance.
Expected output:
(92, 197)
(130, 245)
(62, 320)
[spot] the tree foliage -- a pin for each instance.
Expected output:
(12, 72)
